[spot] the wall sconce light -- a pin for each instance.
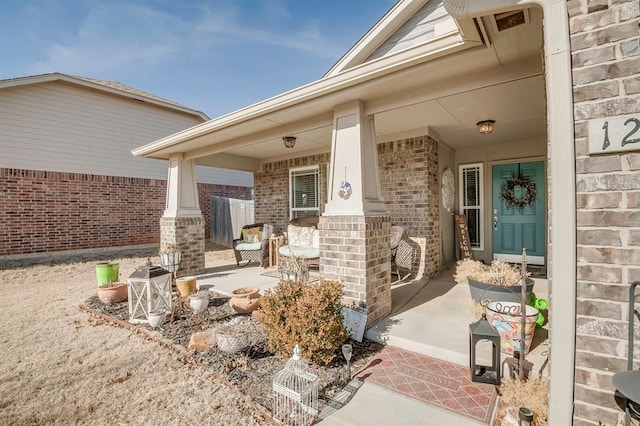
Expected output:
(289, 141)
(486, 126)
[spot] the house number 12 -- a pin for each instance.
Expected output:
(614, 134)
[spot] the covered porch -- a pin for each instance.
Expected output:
(374, 137)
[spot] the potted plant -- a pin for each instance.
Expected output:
(231, 338)
(113, 292)
(198, 302)
(499, 281)
(293, 268)
(245, 300)
(170, 257)
(156, 317)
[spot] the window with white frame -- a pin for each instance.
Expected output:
(471, 202)
(304, 194)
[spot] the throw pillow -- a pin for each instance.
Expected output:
(251, 235)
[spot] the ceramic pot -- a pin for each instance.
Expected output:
(113, 292)
(156, 318)
(186, 286)
(494, 293)
(198, 302)
(245, 300)
(231, 342)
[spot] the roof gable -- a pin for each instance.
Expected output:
(112, 87)
(409, 23)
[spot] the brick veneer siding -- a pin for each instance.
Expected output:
(44, 212)
(606, 62)
(271, 188)
(187, 234)
(410, 188)
(355, 251)
(409, 183)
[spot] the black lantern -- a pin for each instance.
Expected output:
(481, 331)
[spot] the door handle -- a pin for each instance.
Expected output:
(495, 223)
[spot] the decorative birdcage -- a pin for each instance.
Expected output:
(295, 391)
(149, 290)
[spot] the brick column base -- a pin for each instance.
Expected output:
(355, 250)
(187, 233)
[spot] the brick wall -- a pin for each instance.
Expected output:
(271, 185)
(605, 47)
(409, 183)
(355, 251)
(44, 212)
(410, 188)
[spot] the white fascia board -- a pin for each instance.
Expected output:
(439, 47)
(381, 30)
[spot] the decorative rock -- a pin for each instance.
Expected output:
(203, 341)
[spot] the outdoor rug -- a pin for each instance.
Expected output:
(273, 273)
(435, 382)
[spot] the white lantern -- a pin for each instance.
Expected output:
(149, 290)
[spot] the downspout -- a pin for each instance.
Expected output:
(562, 204)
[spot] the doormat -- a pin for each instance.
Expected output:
(435, 382)
(313, 275)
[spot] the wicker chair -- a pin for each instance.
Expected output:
(257, 248)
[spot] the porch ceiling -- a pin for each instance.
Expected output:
(501, 80)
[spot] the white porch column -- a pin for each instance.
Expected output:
(354, 187)
(355, 229)
(182, 223)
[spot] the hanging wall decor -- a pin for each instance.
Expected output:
(345, 188)
(518, 192)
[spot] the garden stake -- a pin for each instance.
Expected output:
(523, 310)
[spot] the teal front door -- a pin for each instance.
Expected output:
(522, 225)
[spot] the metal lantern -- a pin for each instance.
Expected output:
(149, 290)
(482, 331)
(295, 391)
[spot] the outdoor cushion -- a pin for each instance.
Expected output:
(300, 251)
(251, 235)
(243, 246)
(300, 235)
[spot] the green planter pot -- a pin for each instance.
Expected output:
(107, 272)
(495, 293)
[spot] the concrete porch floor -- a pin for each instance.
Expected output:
(428, 317)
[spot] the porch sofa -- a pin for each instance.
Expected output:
(303, 239)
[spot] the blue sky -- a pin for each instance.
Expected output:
(214, 56)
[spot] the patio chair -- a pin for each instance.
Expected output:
(253, 244)
(396, 237)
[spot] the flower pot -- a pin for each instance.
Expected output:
(494, 293)
(106, 272)
(509, 326)
(245, 300)
(198, 302)
(113, 292)
(231, 342)
(156, 318)
(186, 286)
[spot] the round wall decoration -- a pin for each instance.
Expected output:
(518, 192)
(448, 189)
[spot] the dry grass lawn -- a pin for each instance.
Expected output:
(57, 366)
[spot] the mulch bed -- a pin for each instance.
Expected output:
(251, 370)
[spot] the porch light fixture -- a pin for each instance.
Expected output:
(486, 126)
(289, 141)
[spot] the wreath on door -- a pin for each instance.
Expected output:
(518, 192)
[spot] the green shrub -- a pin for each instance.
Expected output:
(306, 314)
